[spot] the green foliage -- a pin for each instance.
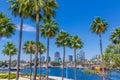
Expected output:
(99, 25)
(54, 63)
(76, 42)
(42, 48)
(49, 8)
(9, 49)
(20, 7)
(6, 27)
(111, 56)
(63, 39)
(5, 75)
(115, 36)
(87, 71)
(49, 29)
(29, 47)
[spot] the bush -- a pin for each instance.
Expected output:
(90, 71)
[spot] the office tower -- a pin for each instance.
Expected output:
(57, 56)
(81, 56)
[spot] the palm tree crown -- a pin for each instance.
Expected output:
(76, 42)
(29, 47)
(20, 7)
(49, 29)
(49, 8)
(63, 39)
(9, 49)
(115, 36)
(99, 25)
(42, 47)
(6, 27)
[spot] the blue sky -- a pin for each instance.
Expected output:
(75, 17)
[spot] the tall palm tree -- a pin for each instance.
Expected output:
(99, 26)
(6, 27)
(63, 39)
(21, 8)
(75, 43)
(49, 29)
(29, 48)
(37, 7)
(9, 49)
(115, 37)
(47, 6)
(42, 49)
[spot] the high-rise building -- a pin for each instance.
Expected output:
(69, 58)
(81, 56)
(43, 59)
(57, 56)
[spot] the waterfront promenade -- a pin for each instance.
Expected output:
(50, 78)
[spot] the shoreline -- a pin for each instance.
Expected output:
(58, 78)
(50, 77)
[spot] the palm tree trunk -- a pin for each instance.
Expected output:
(102, 60)
(30, 66)
(40, 67)
(74, 64)
(37, 41)
(19, 48)
(9, 68)
(63, 62)
(47, 58)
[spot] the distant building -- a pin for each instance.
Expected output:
(57, 56)
(43, 59)
(81, 56)
(69, 58)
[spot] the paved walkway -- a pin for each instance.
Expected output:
(50, 78)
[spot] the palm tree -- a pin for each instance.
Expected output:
(99, 26)
(47, 6)
(21, 8)
(37, 6)
(75, 43)
(63, 39)
(6, 27)
(29, 48)
(49, 30)
(115, 37)
(9, 49)
(42, 49)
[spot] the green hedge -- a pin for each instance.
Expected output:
(87, 70)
